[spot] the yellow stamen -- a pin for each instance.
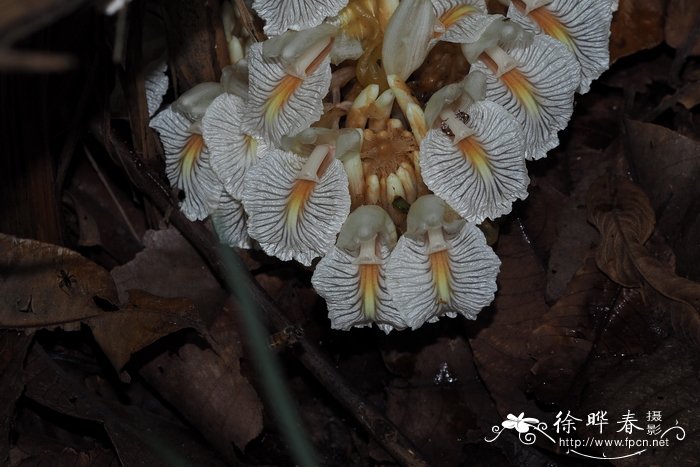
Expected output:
(298, 197)
(474, 152)
(451, 16)
(280, 96)
(190, 153)
(369, 287)
(440, 265)
(251, 145)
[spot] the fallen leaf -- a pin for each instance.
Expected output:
(36, 451)
(667, 166)
(595, 317)
(665, 381)
(636, 26)
(145, 319)
(44, 286)
(168, 266)
(623, 215)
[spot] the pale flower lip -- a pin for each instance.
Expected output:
(280, 104)
(156, 84)
(483, 174)
(539, 91)
(582, 25)
(440, 267)
(281, 15)
(352, 277)
(233, 151)
(187, 163)
(194, 102)
(291, 216)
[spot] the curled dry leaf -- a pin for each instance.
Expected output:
(46, 286)
(667, 166)
(623, 215)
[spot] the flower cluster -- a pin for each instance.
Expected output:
(314, 144)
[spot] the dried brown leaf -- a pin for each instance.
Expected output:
(594, 316)
(636, 26)
(623, 215)
(667, 166)
(145, 319)
(46, 286)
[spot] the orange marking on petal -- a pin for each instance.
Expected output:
(280, 96)
(191, 151)
(369, 288)
(522, 89)
(440, 265)
(551, 26)
(299, 195)
(473, 151)
(549, 23)
(451, 16)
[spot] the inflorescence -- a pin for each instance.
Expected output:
(314, 145)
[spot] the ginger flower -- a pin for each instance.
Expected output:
(475, 161)
(352, 276)
(533, 80)
(187, 158)
(296, 205)
(440, 266)
(233, 151)
(582, 25)
(281, 15)
(289, 76)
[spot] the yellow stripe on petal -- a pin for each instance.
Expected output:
(190, 153)
(369, 289)
(473, 151)
(280, 96)
(551, 26)
(299, 195)
(522, 89)
(440, 265)
(451, 16)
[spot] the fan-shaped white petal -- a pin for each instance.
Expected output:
(280, 15)
(231, 222)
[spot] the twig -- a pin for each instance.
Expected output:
(381, 429)
(111, 195)
(13, 60)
